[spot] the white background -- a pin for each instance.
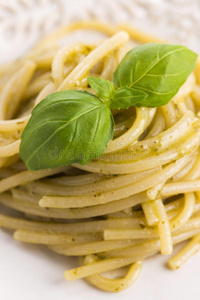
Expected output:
(29, 272)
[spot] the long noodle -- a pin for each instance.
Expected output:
(141, 197)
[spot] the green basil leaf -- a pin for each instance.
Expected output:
(66, 127)
(104, 88)
(157, 69)
(126, 97)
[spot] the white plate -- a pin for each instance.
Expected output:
(30, 272)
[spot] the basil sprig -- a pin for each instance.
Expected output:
(76, 127)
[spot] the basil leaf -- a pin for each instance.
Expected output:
(157, 69)
(66, 127)
(104, 88)
(126, 97)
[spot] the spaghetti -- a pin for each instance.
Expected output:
(141, 197)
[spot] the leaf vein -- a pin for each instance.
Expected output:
(61, 127)
(178, 50)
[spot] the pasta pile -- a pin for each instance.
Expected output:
(141, 197)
